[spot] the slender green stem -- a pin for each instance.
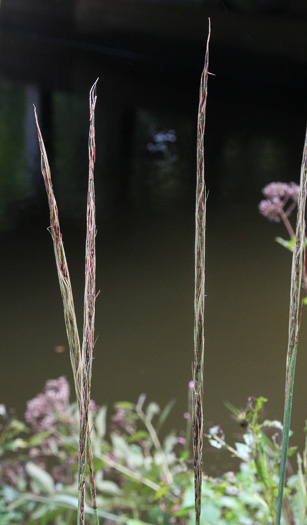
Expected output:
(298, 262)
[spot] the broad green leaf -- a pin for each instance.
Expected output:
(41, 478)
(18, 426)
(100, 423)
(183, 511)
(210, 512)
(124, 405)
(107, 487)
(185, 455)
(141, 434)
(121, 449)
(158, 516)
(97, 462)
(39, 513)
(37, 439)
(289, 245)
(260, 401)
(17, 444)
(229, 503)
(263, 472)
(9, 493)
(131, 454)
(162, 492)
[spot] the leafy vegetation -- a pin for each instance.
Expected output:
(140, 478)
(136, 477)
(281, 200)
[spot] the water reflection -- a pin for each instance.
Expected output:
(161, 174)
(14, 185)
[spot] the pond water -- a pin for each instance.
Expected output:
(145, 183)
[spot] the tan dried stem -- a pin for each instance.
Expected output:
(81, 363)
(89, 307)
(199, 296)
(62, 268)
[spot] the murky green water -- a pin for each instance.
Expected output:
(145, 215)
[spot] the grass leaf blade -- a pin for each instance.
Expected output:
(297, 273)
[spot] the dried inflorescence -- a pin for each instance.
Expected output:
(281, 199)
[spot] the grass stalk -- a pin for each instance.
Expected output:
(199, 294)
(81, 362)
(62, 267)
(89, 308)
(296, 302)
(133, 474)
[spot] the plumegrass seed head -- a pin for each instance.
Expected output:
(81, 361)
(199, 289)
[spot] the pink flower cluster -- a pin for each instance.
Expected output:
(42, 411)
(280, 200)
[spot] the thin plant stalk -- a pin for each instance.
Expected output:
(62, 267)
(89, 309)
(66, 290)
(297, 273)
(199, 295)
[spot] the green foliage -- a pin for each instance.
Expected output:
(140, 478)
(288, 244)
